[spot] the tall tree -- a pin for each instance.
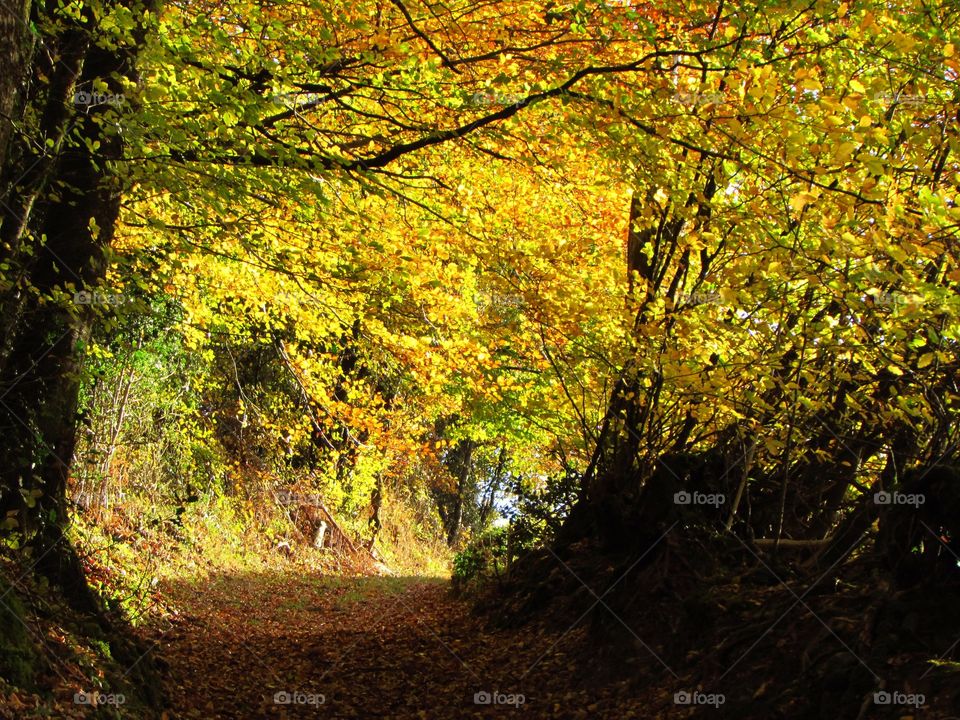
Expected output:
(61, 202)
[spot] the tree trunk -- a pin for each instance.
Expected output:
(460, 464)
(16, 49)
(55, 241)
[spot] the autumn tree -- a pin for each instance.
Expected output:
(210, 128)
(69, 74)
(791, 248)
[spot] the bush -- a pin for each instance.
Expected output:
(490, 555)
(17, 657)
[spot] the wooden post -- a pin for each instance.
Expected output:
(321, 533)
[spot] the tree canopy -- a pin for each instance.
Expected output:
(506, 259)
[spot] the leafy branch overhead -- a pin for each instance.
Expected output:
(543, 292)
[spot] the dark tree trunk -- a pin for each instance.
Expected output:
(16, 49)
(58, 219)
(450, 504)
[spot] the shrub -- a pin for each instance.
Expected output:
(490, 555)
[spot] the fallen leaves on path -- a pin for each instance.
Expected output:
(277, 646)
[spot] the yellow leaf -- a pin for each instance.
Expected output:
(904, 42)
(801, 200)
(925, 360)
(844, 151)
(948, 50)
(874, 165)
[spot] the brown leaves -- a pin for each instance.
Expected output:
(359, 647)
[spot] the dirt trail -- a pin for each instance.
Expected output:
(270, 646)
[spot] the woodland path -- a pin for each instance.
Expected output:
(366, 647)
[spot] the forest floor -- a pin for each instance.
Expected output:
(275, 645)
(589, 639)
(282, 644)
